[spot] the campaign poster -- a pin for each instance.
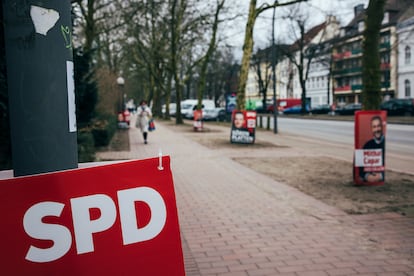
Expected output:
(231, 102)
(118, 219)
(198, 120)
(369, 155)
(243, 127)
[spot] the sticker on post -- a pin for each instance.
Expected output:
(43, 19)
(71, 96)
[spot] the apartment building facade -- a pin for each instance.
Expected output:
(347, 54)
(405, 32)
(335, 72)
(288, 83)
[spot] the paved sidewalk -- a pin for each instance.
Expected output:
(235, 221)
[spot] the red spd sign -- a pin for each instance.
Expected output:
(118, 219)
(369, 155)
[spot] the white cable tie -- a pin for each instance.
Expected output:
(160, 167)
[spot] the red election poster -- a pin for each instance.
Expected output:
(243, 127)
(118, 219)
(369, 156)
(198, 120)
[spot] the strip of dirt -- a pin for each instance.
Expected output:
(330, 180)
(327, 179)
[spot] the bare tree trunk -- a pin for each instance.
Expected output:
(168, 96)
(371, 74)
(175, 35)
(301, 65)
(248, 45)
(211, 47)
(247, 53)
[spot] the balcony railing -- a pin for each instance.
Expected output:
(342, 55)
(385, 66)
(386, 45)
(354, 70)
(356, 51)
(385, 84)
(343, 88)
(356, 87)
(337, 56)
(344, 71)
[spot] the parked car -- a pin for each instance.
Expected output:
(214, 114)
(131, 107)
(399, 107)
(283, 104)
(173, 109)
(348, 109)
(296, 109)
(261, 109)
(321, 109)
(188, 107)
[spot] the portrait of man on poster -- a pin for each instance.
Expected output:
(243, 127)
(239, 122)
(374, 150)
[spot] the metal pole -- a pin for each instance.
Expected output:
(120, 82)
(38, 40)
(275, 111)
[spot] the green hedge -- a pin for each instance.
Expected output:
(86, 146)
(98, 134)
(103, 129)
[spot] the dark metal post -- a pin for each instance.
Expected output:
(275, 111)
(38, 40)
(121, 82)
(329, 79)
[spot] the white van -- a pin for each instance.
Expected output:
(173, 109)
(188, 106)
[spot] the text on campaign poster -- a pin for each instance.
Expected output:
(118, 219)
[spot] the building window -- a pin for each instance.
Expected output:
(385, 38)
(407, 55)
(385, 58)
(361, 26)
(407, 85)
(386, 18)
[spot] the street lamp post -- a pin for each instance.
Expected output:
(121, 82)
(274, 74)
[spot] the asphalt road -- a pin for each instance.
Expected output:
(399, 137)
(336, 137)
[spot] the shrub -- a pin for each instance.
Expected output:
(103, 129)
(86, 146)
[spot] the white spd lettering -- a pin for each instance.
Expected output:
(84, 227)
(130, 233)
(34, 227)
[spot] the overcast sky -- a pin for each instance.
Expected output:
(234, 31)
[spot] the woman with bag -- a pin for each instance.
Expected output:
(144, 115)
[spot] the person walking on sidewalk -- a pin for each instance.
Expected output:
(143, 116)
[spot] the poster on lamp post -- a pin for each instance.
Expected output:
(243, 127)
(118, 219)
(369, 155)
(198, 120)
